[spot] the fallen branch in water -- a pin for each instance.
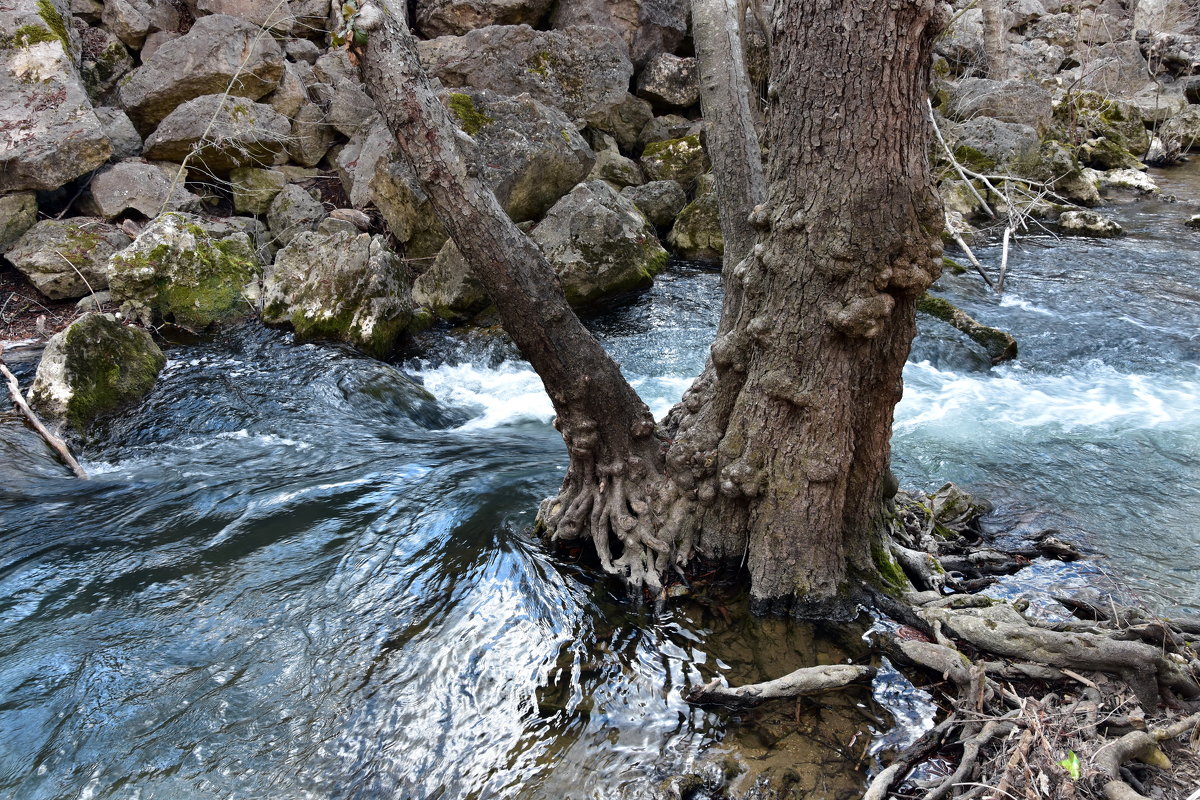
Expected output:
(57, 444)
(805, 681)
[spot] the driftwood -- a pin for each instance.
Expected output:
(805, 681)
(56, 444)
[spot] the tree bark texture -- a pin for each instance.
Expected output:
(809, 371)
(995, 47)
(777, 454)
(615, 457)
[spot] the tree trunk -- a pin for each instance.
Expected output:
(810, 368)
(615, 457)
(780, 450)
(995, 46)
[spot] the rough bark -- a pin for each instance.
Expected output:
(809, 367)
(995, 48)
(615, 458)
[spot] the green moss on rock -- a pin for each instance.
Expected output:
(683, 159)
(471, 119)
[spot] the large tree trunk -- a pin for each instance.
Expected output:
(995, 45)
(780, 450)
(809, 371)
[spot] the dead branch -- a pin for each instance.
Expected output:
(805, 681)
(57, 444)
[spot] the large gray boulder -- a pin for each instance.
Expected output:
(292, 212)
(133, 20)
(696, 234)
(449, 288)
(254, 190)
(337, 283)
(311, 136)
(986, 145)
(67, 258)
(683, 160)
(582, 72)
(660, 201)
(18, 213)
(122, 136)
(616, 169)
(338, 89)
(204, 61)
(49, 134)
(456, 17)
(276, 15)
(599, 244)
(176, 271)
(92, 369)
(670, 83)
(136, 185)
(1008, 101)
(648, 27)
(624, 121)
(217, 133)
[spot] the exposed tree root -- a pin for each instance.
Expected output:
(805, 681)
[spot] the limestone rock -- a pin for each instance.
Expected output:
(448, 288)
(599, 244)
(666, 127)
(1181, 133)
(219, 133)
(254, 189)
(1118, 69)
(122, 136)
(311, 137)
(1009, 101)
(456, 17)
(292, 212)
(1130, 180)
(203, 61)
(624, 121)
(681, 160)
(670, 82)
(135, 185)
(339, 284)
(618, 170)
(104, 61)
(302, 51)
(177, 272)
(696, 234)
(155, 41)
(648, 27)
(986, 145)
(18, 213)
(1058, 168)
(92, 369)
(660, 201)
(1090, 115)
(292, 91)
(273, 14)
(348, 107)
(67, 258)
(49, 134)
(582, 72)
(132, 20)
(962, 44)
(1088, 223)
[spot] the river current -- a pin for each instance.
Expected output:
(301, 573)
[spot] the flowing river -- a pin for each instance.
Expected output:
(298, 574)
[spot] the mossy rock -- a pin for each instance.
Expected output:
(1088, 115)
(92, 369)
(177, 272)
(683, 160)
(696, 234)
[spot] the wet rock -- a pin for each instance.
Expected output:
(275, 15)
(218, 133)
(176, 271)
(448, 288)
(624, 121)
(292, 212)
(999, 345)
(582, 72)
(254, 189)
(456, 17)
(599, 244)
(93, 369)
(124, 138)
(660, 201)
(670, 82)
(48, 132)
(18, 213)
(1009, 101)
(648, 27)
(67, 258)
(696, 234)
(1181, 133)
(1193, 221)
(1088, 223)
(617, 170)
(135, 185)
(337, 283)
(203, 61)
(681, 160)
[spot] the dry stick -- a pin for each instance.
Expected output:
(959, 167)
(958, 240)
(805, 681)
(56, 443)
(1003, 261)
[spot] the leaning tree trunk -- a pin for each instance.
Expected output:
(615, 456)
(995, 48)
(810, 368)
